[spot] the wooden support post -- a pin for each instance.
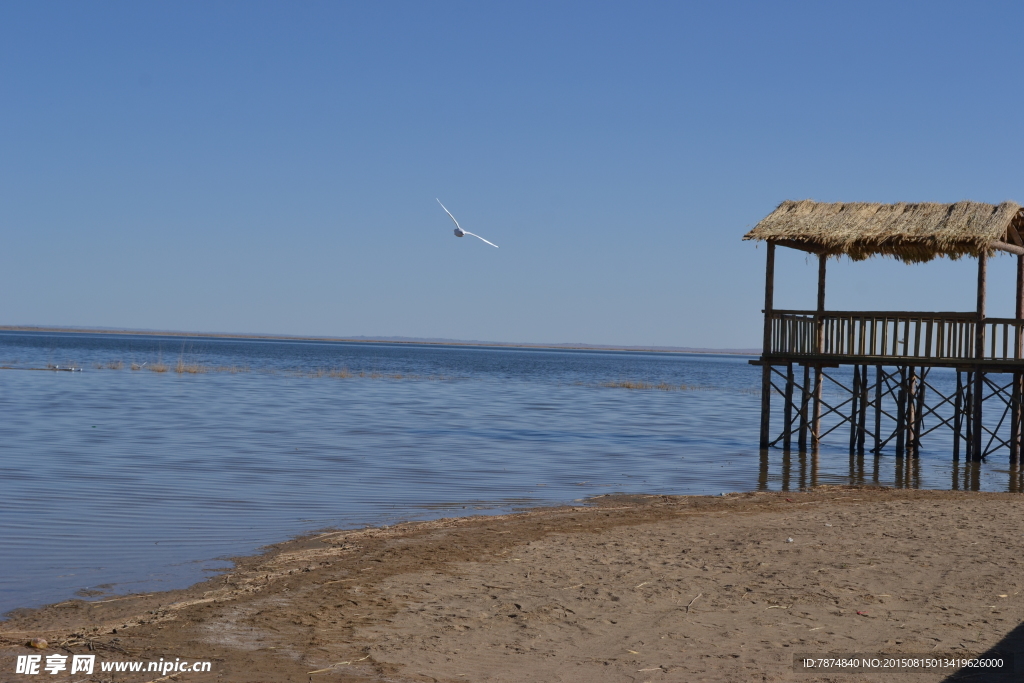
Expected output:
(979, 353)
(919, 411)
(1015, 419)
(969, 416)
(958, 406)
(1017, 394)
(901, 412)
(862, 428)
(819, 347)
(805, 396)
(816, 418)
(766, 348)
(911, 420)
(854, 410)
(787, 434)
(878, 409)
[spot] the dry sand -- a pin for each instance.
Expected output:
(627, 589)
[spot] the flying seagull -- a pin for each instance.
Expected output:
(459, 232)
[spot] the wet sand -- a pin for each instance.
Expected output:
(638, 588)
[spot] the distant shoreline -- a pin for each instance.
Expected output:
(382, 340)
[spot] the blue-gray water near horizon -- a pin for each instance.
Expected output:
(123, 480)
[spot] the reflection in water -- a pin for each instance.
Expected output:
(807, 470)
(782, 470)
(968, 476)
(1016, 478)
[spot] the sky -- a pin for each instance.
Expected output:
(272, 167)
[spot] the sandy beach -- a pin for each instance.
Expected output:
(637, 588)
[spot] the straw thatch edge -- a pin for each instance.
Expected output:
(913, 233)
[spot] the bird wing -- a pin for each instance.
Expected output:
(481, 238)
(450, 215)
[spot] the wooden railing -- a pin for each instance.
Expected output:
(895, 334)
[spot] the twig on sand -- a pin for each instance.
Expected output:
(331, 667)
(693, 601)
(157, 680)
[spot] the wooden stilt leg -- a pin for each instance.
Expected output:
(1015, 419)
(901, 413)
(862, 426)
(979, 389)
(957, 416)
(969, 419)
(816, 420)
(805, 397)
(766, 405)
(919, 412)
(911, 411)
(854, 411)
(878, 409)
(787, 434)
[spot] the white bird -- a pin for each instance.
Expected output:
(459, 232)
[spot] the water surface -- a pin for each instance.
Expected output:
(118, 480)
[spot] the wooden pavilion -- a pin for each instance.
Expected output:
(900, 346)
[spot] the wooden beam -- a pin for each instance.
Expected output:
(1007, 247)
(793, 244)
(1013, 235)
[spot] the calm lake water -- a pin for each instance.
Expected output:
(118, 480)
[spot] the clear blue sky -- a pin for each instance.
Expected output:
(272, 167)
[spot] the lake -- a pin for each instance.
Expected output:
(125, 480)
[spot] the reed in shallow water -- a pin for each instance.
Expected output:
(661, 386)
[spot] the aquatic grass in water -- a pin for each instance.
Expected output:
(661, 386)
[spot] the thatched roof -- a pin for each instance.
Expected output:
(908, 232)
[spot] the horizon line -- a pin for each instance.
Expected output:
(427, 341)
